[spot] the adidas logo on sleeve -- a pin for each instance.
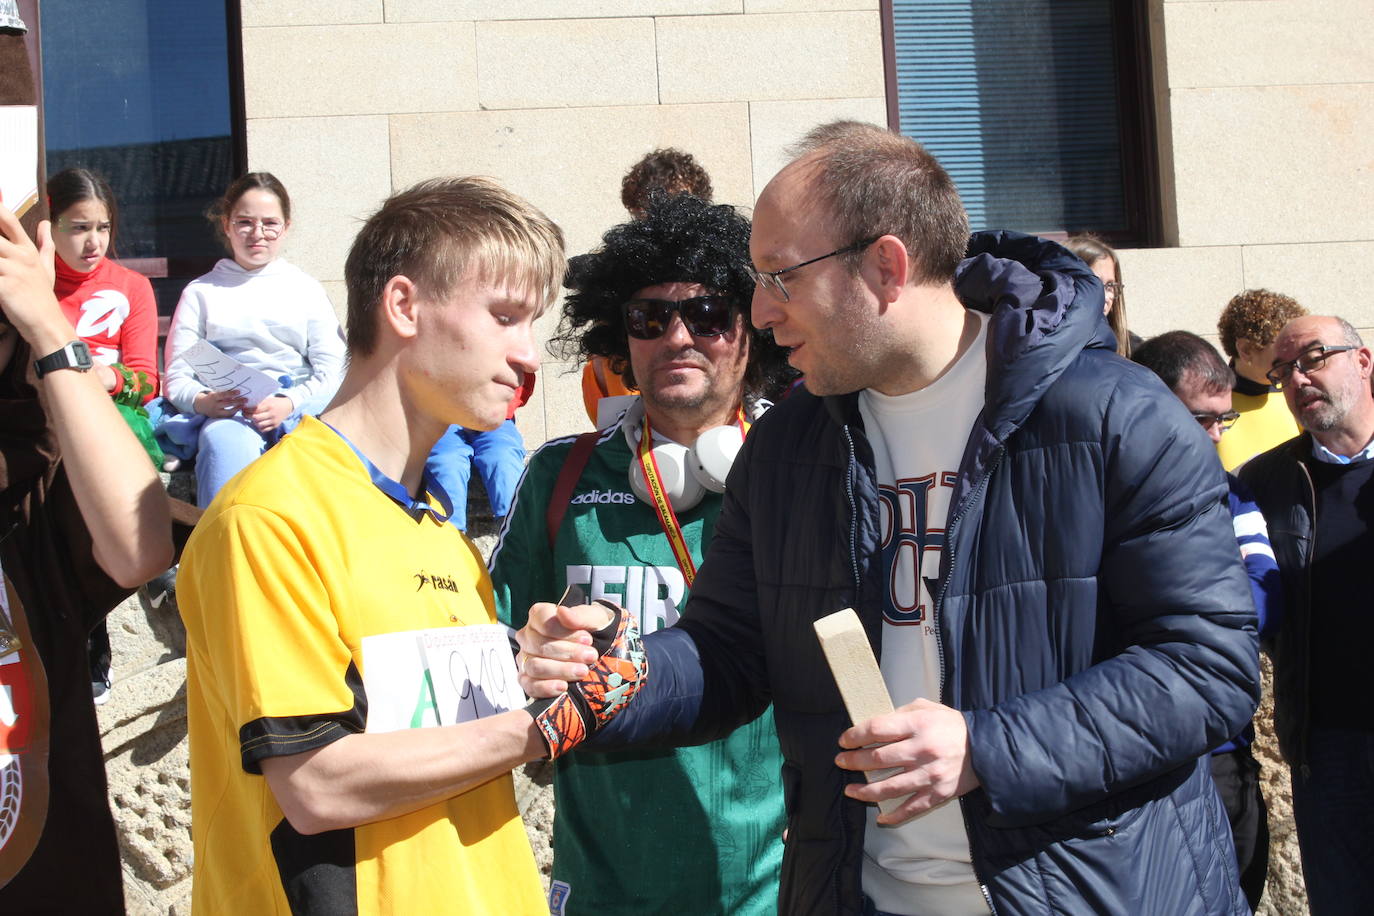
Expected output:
(593, 497)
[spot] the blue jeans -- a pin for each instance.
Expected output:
(177, 433)
(227, 446)
(500, 458)
(1333, 806)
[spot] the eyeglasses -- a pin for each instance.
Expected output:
(703, 316)
(1114, 287)
(271, 228)
(772, 279)
(1224, 420)
(1310, 361)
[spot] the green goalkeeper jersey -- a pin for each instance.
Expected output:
(693, 830)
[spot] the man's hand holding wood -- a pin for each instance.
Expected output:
(927, 741)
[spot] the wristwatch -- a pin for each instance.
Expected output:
(75, 355)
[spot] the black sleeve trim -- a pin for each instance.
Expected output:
(282, 736)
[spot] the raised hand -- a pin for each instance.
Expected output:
(26, 282)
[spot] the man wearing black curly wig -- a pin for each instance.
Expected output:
(664, 299)
(668, 172)
(1034, 534)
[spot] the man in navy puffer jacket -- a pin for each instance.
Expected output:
(1059, 608)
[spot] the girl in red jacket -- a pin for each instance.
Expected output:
(113, 311)
(111, 307)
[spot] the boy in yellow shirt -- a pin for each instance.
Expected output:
(351, 738)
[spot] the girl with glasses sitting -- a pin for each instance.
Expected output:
(267, 314)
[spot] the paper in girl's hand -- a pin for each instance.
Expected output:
(221, 372)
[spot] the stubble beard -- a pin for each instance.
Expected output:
(683, 402)
(679, 399)
(1322, 416)
(848, 367)
(709, 396)
(1326, 414)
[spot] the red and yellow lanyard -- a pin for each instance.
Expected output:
(672, 528)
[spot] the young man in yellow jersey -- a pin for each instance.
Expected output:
(341, 761)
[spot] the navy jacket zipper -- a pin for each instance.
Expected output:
(940, 645)
(854, 567)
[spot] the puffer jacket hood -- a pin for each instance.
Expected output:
(1046, 308)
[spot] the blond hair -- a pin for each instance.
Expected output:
(441, 231)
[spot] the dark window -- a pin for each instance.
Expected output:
(1039, 109)
(147, 92)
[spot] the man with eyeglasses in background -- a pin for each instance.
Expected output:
(1195, 372)
(1315, 493)
(697, 829)
(1032, 533)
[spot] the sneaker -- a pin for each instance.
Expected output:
(159, 588)
(101, 681)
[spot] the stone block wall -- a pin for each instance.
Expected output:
(1263, 111)
(1267, 177)
(143, 729)
(143, 732)
(1284, 892)
(350, 102)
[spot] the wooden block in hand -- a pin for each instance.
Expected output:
(859, 678)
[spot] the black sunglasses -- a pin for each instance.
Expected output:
(1225, 420)
(703, 316)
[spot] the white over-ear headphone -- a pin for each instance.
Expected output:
(685, 473)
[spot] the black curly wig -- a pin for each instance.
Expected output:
(681, 239)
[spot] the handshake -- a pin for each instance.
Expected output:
(582, 677)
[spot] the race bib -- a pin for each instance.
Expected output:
(442, 676)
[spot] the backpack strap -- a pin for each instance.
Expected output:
(568, 475)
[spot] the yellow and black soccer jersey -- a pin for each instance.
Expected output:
(300, 559)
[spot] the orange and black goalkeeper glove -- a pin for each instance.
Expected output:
(568, 719)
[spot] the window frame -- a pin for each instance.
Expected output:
(1137, 120)
(178, 269)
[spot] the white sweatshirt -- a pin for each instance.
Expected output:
(277, 319)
